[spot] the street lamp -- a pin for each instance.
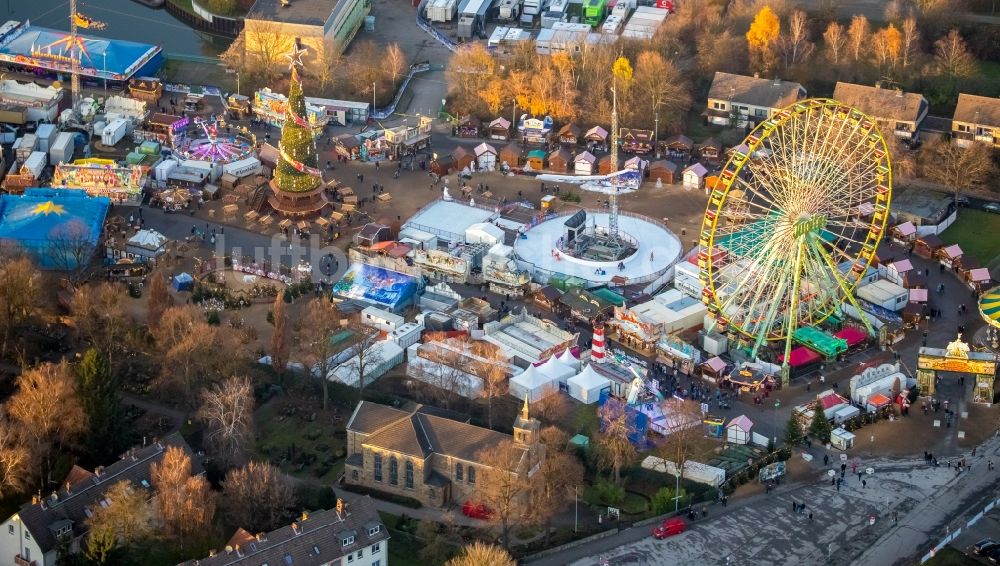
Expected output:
(373, 98)
(105, 55)
(237, 83)
(513, 116)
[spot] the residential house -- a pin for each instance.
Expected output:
(420, 454)
(49, 525)
(899, 114)
(353, 533)
(977, 118)
(739, 100)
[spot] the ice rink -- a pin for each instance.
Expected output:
(659, 249)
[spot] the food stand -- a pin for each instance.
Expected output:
(468, 127)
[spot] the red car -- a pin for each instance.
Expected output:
(476, 510)
(669, 528)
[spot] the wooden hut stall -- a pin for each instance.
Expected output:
(547, 298)
(499, 129)
(636, 141)
(694, 176)
(885, 254)
(568, 135)
(926, 246)
(511, 155)
(677, 147)
(903, 234)
(486, 157)
(442, 165)
(636, 163)
(710, 149)
(968, 264)
(596, 138)
(462, 158)
(536, 160)
(468, 127)
(606, 167)
(146, 89)
(978, 279)
(583, 163)
(347, 145)
(663, 171)
(950, 256)
(559, 160)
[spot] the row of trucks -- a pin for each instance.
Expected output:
(612, 16)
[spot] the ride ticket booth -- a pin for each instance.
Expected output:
(958, 358)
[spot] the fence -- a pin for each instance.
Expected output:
(957, 532)
(204, 20)
(423, 24)
(383, 113)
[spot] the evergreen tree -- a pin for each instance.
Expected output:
(98, 391)
(298, 165)
(793, 432)
(820, 427)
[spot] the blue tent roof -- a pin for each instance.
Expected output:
(46, 222)
(51, 49)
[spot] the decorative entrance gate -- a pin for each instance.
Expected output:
(958, 358)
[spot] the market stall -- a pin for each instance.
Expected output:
(559, 161)
(568, 135)
(499, 129)
(588, 385)
(536, 160)
(533, 384)
(677, 147)
(583, 163)
(468, 127)
(486, 157)
(950, 256)
(662, 171)
(605, 165)
(927, 245)
(710, 149)
(738, 430)
(596, 138)
(979, 278)
(714, 369)
(510, 155)
(462, 158)
(904, 234)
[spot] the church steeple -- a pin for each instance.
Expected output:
(526, 428)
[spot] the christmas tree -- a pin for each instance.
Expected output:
(298, 162)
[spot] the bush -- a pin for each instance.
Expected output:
(391, 497)
(663, 500)
(212, 317)
(607, 493)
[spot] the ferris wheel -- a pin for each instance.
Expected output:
(793, 221)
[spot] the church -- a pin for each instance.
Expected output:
(424, 454)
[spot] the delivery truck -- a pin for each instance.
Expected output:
(46, 134)
(35, 164)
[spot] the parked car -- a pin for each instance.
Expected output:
(962, 201)
(994, 555)
(985, 546)
(669, 527)
(993, 207)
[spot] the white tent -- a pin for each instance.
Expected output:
(557, 370)
(586, 386)
(383, 356)
(738, 430)
(569, 359)
(533, 384)
(484, 232)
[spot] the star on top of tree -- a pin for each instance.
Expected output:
(295, 55)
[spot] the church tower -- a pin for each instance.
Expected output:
(526, 428)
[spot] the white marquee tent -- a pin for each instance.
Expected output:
(567, 357)
(557, 370)
(534, 384)
(586, 386)
(484, 232)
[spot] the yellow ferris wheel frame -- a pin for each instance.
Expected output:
(755, 142)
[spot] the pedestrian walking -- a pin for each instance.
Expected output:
(895, 516)
(864, 483)
(810, 515)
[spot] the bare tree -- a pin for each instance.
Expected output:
(395, 63)
(186, 503)
(952, 58)
(449, 371)
(367, 68)
(71, 247)
(794, 43)
(685, 435)
(98, 313)
(227, 411)
(47, 408)
(280, 343)
(495, 373)
(266, 43)
(257, 497)
(559, 474)
(189, 348)
(658, 90)
(962, 168)
(314, 337)
(128, 517)
(159, 299)
(481, 554)
(16, 458)
(503, 486)
(835, 39)
(20, 287)
(911, 40)
(614, 448)
(326, 64)
(858, 37)
(367, 352)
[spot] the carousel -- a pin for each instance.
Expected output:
(213, 147)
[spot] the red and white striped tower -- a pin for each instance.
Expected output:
(597, 346)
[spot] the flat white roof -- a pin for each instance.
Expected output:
(447, 218)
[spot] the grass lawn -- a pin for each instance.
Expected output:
(968, 232)
(318, 450)
(951, 557)
(404, 548)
